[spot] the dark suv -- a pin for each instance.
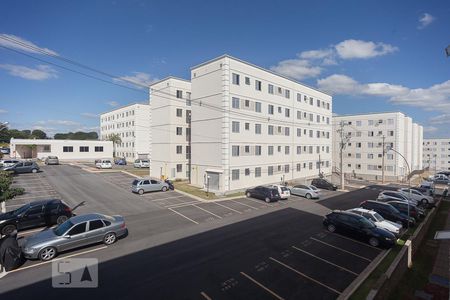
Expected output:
(359, 228)
(35, 214)
(323, 184)
(414, 211)
(265, 193)
(388, 212)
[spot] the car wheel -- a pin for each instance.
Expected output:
(8, 229)
(61, 219)
(34, 171)
(331, 228)
(141, 192)
(47, 254)
(248, 195)
(267, 199)
(374, 242)
(308, 196)
(109, 238)
(164, 189)
(424, 202)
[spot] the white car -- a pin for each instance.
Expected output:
(378, 220)
(417, 196)
(141, 163)
(103, 164)
(8, 162)
(307, 191)
(284, 192)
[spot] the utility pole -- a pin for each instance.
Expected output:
(344, 138)
(382, 162)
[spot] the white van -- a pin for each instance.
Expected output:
(141, 163)
(103, 164)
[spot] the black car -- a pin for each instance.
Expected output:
(35, 214)
(359, 228)
(323, 184)
(388, 212)
(414, 211)
(446, 173)
(23, 167)
(265, 193)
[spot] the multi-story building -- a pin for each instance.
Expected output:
(436, 154)
(366, 134)
(170, 106)
(132, 124)
(251, 126)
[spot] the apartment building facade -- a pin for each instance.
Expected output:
(436, 154)
(366, 134)
(170, 112)
(132, 124)
(251, 126)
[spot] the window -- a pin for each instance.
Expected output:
(235, 127)
(299, 149)
(370, 156)
(258, 172)
(247, 103)
(77, 229)
(286, 149)
(98, 148)
(270, 150)
(179, 94)
(287, 112)
(179, 112)
(47, 148)
(286, 131)
(258, 106)
(299, 114)
(358, 123)
(286, 168)
(257, 85)
(270, 170)
(318, 103)
(391, 133)
(270, 89)
(357, 155)
(84, 149)
(179, 168)
(287, 94)
(270, 130)
(235, 150)
(311, 101)
(67, 149)
(258, 150)
(370, 133)
(96, 224)
(247, 149)
(247, 172)
(270, 109)
(247, 80)
(258, 128)
(235, 78)
(179, 149)
(358, 145)
(235, 102)
(390, 121)
(247, 126)
(370, 122)
(179, 131)
(298, 167)
(299, 132)
(188, 99)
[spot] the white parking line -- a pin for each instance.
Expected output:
(173, 197)
(358, 242)
(181, 204)
(351, 253)
(59, 258)
(205, 296)
(262, 286)
(324, 260)
(244, 204)
(180, 214)
(268, 204)
(304, 275)
(207, 211)
(228, 208)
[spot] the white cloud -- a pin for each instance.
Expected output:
(425, 20)
(138, 79)
(440, 119)
(297, 68)
(430, 129)
(90, 115)
(58, 122)
(3, 111)
(41, 72)
(13, 41)
(113, 103)
(350, 49)
(339, 84)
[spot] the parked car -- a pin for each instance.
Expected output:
(4, 150)
(323, 184)
(378, 220)
(388, 212)
(8, 162)
(141, 163)
(417, 196)
(35, 214)
(394, 195)
(265, 193)
(121, 162)
(142, 186)
(414, 211)
(429, 186)
(440, 179)
(51, 160)
(103, 164)
(358, 227)
(446, 173)
(23, 167)
(424, 190)
(307, 191)
(76, 232)
(284, 192)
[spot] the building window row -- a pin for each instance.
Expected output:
(117, 116)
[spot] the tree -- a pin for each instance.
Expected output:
(39, 134)
(115, 138)
(6, 192)
(79, 135)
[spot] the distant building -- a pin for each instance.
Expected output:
(132, 124)
(63, 149)
(436, 154)
(363, 153)
(170, 107)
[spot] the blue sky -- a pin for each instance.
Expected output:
(372, 55)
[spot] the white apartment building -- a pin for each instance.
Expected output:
(170, 108)
(363, 153)
(251, 126)
(436, 154)
(132, 123)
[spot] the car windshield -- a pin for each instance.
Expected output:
(21, 210)
(378, 217)
(135, 182)
(106, 161)
(313, 187)
(284, 189)
(61, 229)
(52, 157)
(145, 161)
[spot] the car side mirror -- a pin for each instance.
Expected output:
(67, 236)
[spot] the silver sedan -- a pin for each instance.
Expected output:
(148, 185)
(76, 232)
(308, 191)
